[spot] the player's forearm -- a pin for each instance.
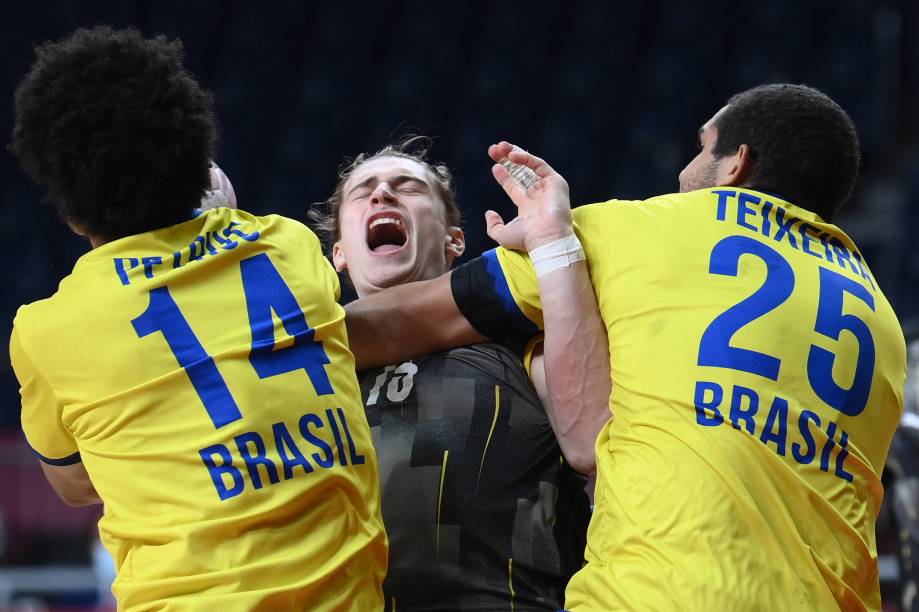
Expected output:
(406, 321)
(577, 362)
(72, 484)
(88, 497)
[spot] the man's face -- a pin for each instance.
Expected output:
(393, 226)
(705, 169)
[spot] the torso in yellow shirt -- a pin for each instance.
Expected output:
(201, 374)
(757, 376)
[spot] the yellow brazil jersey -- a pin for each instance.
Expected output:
(202, 375)
(757, 374)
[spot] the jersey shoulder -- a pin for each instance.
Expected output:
(661, 204)
(495, 361)
(629, 226)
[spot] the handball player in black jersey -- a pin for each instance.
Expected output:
(482, 510)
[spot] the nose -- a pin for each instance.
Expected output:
(383, 194)
(684, 173)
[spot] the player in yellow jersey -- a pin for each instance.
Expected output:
(192, 373)
(757, 367)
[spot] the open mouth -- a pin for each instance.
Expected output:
(386, 233)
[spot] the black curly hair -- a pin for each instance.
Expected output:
(803, 145)
(116, 129)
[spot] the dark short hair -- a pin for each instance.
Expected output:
(803, 145)
(116, 130)
(325, 216)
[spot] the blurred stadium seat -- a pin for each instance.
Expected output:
(611, 94)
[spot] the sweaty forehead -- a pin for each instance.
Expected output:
(387, 167)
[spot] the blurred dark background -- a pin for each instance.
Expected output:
(610, 93)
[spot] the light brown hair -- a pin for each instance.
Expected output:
(325, 217)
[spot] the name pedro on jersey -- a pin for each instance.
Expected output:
(746, 409)
(205, 245)
(265, 459)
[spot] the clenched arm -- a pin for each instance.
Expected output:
(574, 367)
(72, 484)
(402, 322)
(576, 350)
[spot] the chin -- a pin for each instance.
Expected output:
(391, 278)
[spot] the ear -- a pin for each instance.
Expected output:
(455, 243)
(736, 169)
(338, 258)
(76, 229)
(94, 241)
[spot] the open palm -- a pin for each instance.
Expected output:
(543, 209)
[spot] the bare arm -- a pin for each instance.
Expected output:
(72, 484)
(576, 349)
(577, 435)
(402, 322)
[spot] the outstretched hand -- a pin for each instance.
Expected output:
(543, 209)
(220, 192)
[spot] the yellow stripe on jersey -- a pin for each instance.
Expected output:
(510, 580)
(757, 376)
(440, 501)
(491, 430)
(201, 373)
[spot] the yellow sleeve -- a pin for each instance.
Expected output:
(41, 412)
(518, 271)
(534, 345)
(521, 280)
(498, 293)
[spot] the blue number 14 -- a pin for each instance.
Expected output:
(265, 292)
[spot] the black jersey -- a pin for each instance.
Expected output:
(481, 509)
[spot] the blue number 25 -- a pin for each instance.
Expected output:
(715, 349)
(265, 291)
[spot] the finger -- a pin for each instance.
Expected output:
(492, 219)
(537, 164)
(510, 186)
(497, 230)
(214, 173)
(494, 225)
(508, 235)
(499, 151)
(223, 180)
(227, 187)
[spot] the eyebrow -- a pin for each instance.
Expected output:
(373, 180)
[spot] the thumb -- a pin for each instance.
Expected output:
(494, 225)
(509, 235)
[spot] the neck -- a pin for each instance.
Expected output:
(369, 290)
(96, 241)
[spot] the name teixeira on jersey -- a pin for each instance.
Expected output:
(741, 405)
(205, 245)
(762, 216)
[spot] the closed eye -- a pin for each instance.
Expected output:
(412, 186)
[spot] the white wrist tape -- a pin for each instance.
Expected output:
(558, 254)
